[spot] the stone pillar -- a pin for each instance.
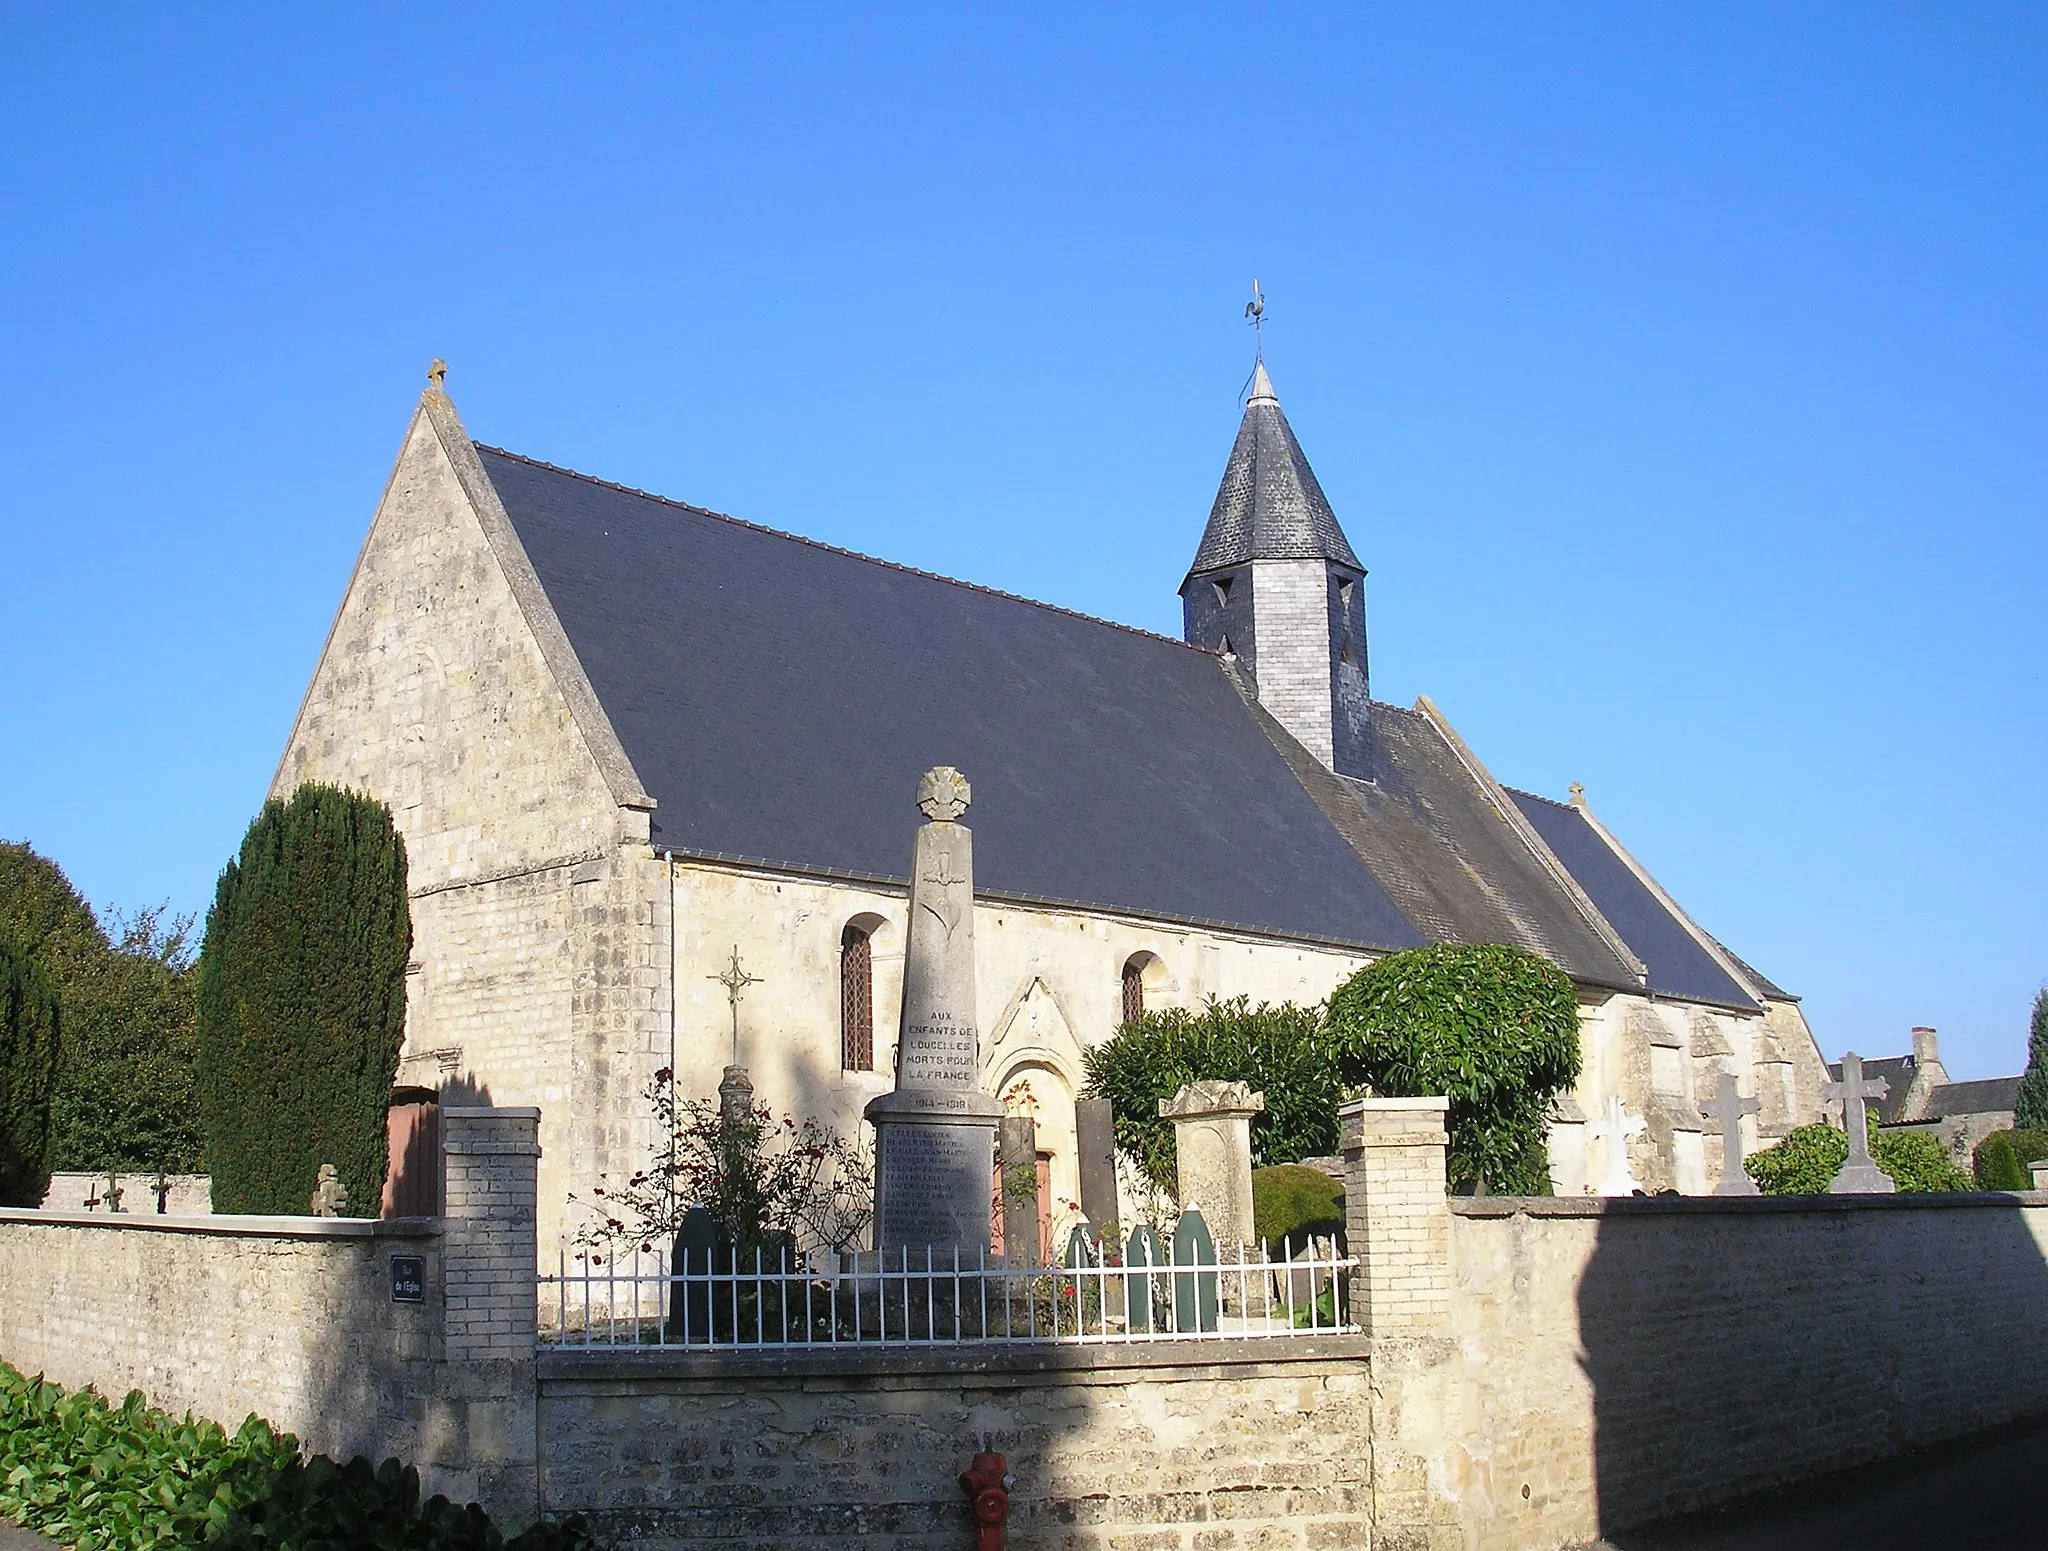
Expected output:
(484, 1442)
(1095, 1140)
(1212, 1139)
(1397, 1215)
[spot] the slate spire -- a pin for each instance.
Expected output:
(1277, 587)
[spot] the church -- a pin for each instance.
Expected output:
(655, 771)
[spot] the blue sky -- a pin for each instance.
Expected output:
(1676, 371)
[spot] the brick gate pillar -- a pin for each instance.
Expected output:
(488, 1444)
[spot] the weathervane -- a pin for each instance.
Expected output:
(1255, 315)
(735, 980)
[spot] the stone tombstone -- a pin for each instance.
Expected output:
(935, 1135)
(1614, 1128)
(1729, 1107)
(1194, 1291)
(1858, 1175)
(1212, 1138)
(1095, 1138)
(1018, 1156)
(330, 1195)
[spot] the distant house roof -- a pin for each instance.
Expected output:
(1985, 1096)
(779, 699)
(1678, 964)
(1897, 1072)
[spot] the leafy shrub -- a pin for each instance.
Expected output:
(1279, 1051)
(28, 1073)
(1806, 1160)
(302, 1003)
(321, 1505)
(98, 1476)
(1997, 1164)
(2030, 1110)
(1292, 1204)
(123, 1097)
(1496, 1029)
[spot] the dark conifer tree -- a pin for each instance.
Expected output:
(2031, 1112)
(28, 1075)
(302, 1003)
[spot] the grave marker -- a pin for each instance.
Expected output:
(1729, 1107)
(1858, 1176)
(1615, 1128)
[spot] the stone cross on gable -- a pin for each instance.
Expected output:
(1616, 1127)
(1729, 1107)
(1858, 1176)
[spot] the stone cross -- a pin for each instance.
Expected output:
(330, 1195)
(735, 980)
(1616, 1127)
(1858, 1176)
(935, 1134)
(1729, 1107)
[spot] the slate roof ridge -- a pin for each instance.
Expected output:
(836, 549)
(1517, 791)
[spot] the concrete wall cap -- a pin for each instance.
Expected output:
(509, 1112)
(1438, 1105)
(228, 1226)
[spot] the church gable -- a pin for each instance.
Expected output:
(434, 692)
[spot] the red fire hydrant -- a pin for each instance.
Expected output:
(988, 1483)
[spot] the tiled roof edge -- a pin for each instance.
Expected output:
(835, 549)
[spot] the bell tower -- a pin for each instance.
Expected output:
(1275, 584)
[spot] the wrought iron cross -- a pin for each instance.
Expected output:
(735, 980)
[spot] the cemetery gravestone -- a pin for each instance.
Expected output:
(1018, 1153)
(1858, 1175)
(1212, 1138)
(1729, 1107)
(1194, 1292)
(1095, 1135)
(1615, 1128)
(330, 1195)
(935, 1134)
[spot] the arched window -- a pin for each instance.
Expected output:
(856, 999)
(1134, 988)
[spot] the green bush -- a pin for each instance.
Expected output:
(1279, 1051)
(1996, 1164)
(98, 1476)
(1292, 1204)
(2030, 1110)
(1806, 1160)
(123, 1098)
(321, 1505)
(302, 1003)
(28, 1074)
(1496, 1029)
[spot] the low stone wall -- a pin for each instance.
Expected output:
(287, 1316)
(1611, 1362)
(1197, 1446)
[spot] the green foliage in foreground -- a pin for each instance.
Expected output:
(1277, 1050)
(1807, 1160)
(1292, 1204)
(100, 1477)
(1495, 1028)
(28, 1075)
(2001, 1159)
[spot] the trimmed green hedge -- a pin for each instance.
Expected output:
(1292, 1204)
(28, 1075)
(302, 1003)
(1495, 1028)
(100, 1477)
(1806, 1161)
(2001, 1159)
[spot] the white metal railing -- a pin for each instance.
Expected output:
(783, 1299)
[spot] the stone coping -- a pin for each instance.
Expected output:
(1721, 1206)
(992, 1360)
(228, 1226)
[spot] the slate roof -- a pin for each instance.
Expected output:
(1269, 505)
(1985, 1096)
(1897, 1072)
(1678, 964)
(779, 699)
